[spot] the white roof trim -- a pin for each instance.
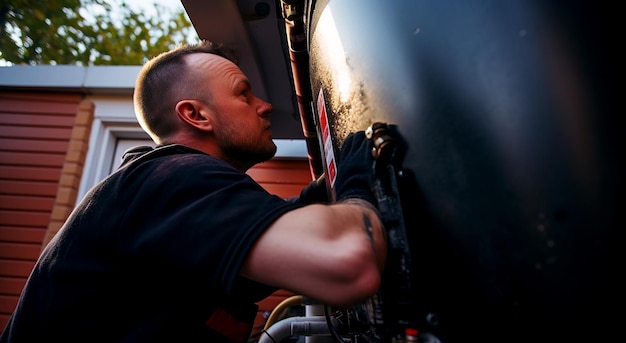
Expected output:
(92, 79)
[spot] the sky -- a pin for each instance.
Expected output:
(147, 4)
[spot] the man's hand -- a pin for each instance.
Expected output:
(354, 171)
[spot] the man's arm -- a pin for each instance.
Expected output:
(332, 253)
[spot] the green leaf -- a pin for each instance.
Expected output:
(87, 32)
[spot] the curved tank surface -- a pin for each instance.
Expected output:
(509, 116)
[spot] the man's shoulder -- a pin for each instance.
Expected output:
(146, 153)
(177, 161)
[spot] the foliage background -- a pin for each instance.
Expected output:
(88, 32)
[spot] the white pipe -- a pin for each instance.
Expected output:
(314, 309)
(295, 326)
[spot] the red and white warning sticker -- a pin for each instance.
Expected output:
(329, 153)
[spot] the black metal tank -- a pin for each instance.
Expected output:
(513, 154)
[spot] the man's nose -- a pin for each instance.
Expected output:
(265, 108)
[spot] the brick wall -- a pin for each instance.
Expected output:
(72, 170)
(36, 131)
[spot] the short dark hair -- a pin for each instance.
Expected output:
(164, 79)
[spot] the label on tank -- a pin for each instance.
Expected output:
(331, 168)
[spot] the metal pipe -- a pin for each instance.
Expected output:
(293, 13)
(295, 326)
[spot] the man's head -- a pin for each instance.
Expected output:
(196, 95)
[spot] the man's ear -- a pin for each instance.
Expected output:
(194, 113)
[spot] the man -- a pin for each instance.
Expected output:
(179, 243)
